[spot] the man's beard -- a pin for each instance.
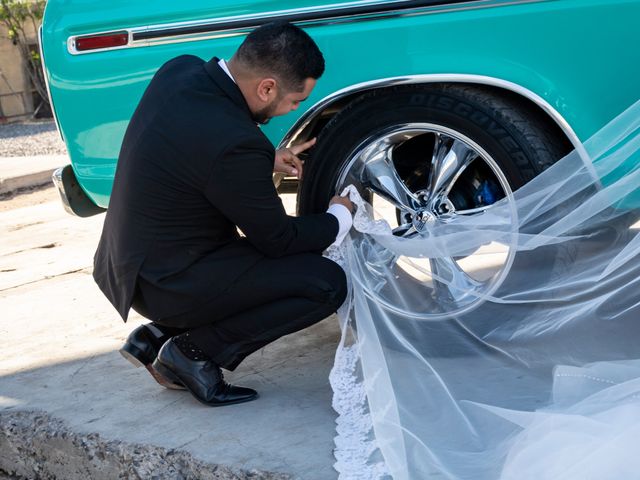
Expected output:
(263, 116)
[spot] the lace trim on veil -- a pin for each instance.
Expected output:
(355, 442)
(357, 454)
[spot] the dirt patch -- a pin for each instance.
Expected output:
(24, 225)
(36, 445)
(28, 197)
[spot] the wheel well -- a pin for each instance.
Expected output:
(313, 128)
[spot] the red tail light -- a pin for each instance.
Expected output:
(94, 42)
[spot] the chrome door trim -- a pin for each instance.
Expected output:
(319, 106)
(218, 27)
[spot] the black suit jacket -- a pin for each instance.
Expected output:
(193, 166)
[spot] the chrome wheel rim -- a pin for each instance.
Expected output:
(417, 175)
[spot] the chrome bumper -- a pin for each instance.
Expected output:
(74, 200)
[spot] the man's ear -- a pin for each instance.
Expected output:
(267, 90)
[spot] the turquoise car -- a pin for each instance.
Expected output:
(438, 108)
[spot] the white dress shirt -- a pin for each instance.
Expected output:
(342, 213)
(223, 66)
(345, 220)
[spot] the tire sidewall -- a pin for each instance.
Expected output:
(372, 114)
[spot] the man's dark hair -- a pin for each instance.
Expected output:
(284, 51)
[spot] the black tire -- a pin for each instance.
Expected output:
(521, 141)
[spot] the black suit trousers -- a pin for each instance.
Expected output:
(273, 298)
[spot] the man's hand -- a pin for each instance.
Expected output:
(342, 201)
(287, 160)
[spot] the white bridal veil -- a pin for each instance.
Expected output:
(506, 344)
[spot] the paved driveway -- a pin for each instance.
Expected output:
(60, 338)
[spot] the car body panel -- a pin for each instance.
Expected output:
(576, 55)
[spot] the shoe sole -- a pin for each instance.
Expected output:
(165, 372)
(162, 380)
(131, 353)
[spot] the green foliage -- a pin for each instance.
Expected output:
(21, 10)
(17, 15)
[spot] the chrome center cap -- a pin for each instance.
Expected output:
(422, 219)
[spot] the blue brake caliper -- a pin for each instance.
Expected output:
(486, 194)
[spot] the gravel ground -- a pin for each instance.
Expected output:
(6, 476)
(30, 138)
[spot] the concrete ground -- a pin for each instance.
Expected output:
(71, 406)
(18, 173)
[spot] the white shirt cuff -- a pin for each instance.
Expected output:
(345, 220)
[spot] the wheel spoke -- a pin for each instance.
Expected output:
(380, 176)
(450, 158)
(406, 230)
(472, 211)
(469, 212)
(455, 283)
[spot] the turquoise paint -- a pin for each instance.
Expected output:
(578, 55)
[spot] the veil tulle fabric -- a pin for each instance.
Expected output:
(535, 376)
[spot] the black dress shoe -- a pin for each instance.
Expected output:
(202, 378)
(141, 349)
